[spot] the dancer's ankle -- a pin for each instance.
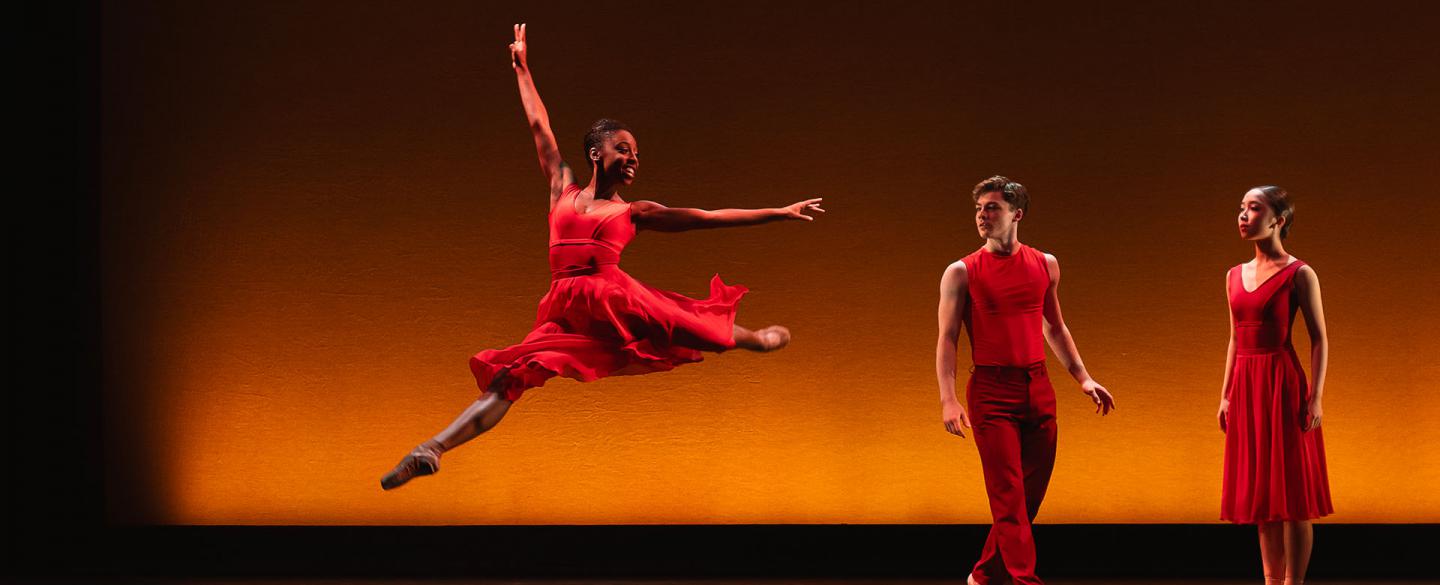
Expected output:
(434, 446)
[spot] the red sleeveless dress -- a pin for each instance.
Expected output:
(1274, 471)
(598, 321)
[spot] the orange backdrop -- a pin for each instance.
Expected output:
(313, 215)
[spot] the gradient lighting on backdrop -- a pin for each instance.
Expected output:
(314, 214)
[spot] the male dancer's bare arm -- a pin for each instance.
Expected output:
(953, 297)
(1307, 288)
(654, 216)
(557, 173)
(1058, 336)
(1224, 412)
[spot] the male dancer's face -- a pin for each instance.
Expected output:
(995, 219)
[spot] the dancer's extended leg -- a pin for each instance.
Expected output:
(768, 339)
(480, 416)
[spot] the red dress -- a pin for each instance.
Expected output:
(598, 321)
(1274, 471)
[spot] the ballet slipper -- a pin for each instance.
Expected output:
(773, 337)
(970, 579)
(424, 459)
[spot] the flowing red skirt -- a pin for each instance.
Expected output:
(1274, 471)
(609, 324)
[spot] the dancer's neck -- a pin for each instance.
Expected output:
(1003, 246)
(1270, 251)
(601, 188)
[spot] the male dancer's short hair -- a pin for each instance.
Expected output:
(1014, 193)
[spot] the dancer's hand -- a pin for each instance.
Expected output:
(517, 48)
(1104, 402)
(1224, 414)
(954, 416)
(1310, 420)
(797, 210)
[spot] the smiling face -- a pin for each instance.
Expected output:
(995, 218)
(1257, 220)
(617, 158)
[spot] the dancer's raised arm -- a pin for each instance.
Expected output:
(654, 216)
(557, 173)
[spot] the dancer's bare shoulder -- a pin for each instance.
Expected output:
(1052, 265)
(955, 278)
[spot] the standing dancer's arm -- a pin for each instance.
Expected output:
(953, 298)
(1058, 335)
(654, 216)
(1308, 290)
(557, 172)
(1224, 412)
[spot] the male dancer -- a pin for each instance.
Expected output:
(1005, 294)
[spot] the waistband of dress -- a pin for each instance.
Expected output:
(573, 271)
(583, 242)
(1264, 350)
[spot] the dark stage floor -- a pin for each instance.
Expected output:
(355, 581)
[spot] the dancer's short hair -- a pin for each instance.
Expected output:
(601, 130)
(1279, 201)
(1014, 193)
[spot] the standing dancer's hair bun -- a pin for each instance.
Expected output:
(1279, 201)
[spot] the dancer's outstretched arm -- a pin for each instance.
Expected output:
(954, 287)
(1058, 335)
(1308, 291)
(650, 215)
(557, 173)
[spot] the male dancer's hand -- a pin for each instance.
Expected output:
(517, 48)
(954, 416)
(1104, 402)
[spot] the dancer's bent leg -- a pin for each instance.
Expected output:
(480, 416)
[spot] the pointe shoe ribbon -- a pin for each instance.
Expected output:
(422, 460)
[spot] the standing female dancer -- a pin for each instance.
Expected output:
(1274, 452)
(596, 320)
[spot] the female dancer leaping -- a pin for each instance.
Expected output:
(596, 320)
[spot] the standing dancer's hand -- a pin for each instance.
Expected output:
(517, 48)
(1104, 402)
(1224, 414)
(1310, 419)
(797, 210)
(954, 416)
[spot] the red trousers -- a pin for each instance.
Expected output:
(1012, 411)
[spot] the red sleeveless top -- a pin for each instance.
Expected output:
(585, 243)
(1005, 315)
